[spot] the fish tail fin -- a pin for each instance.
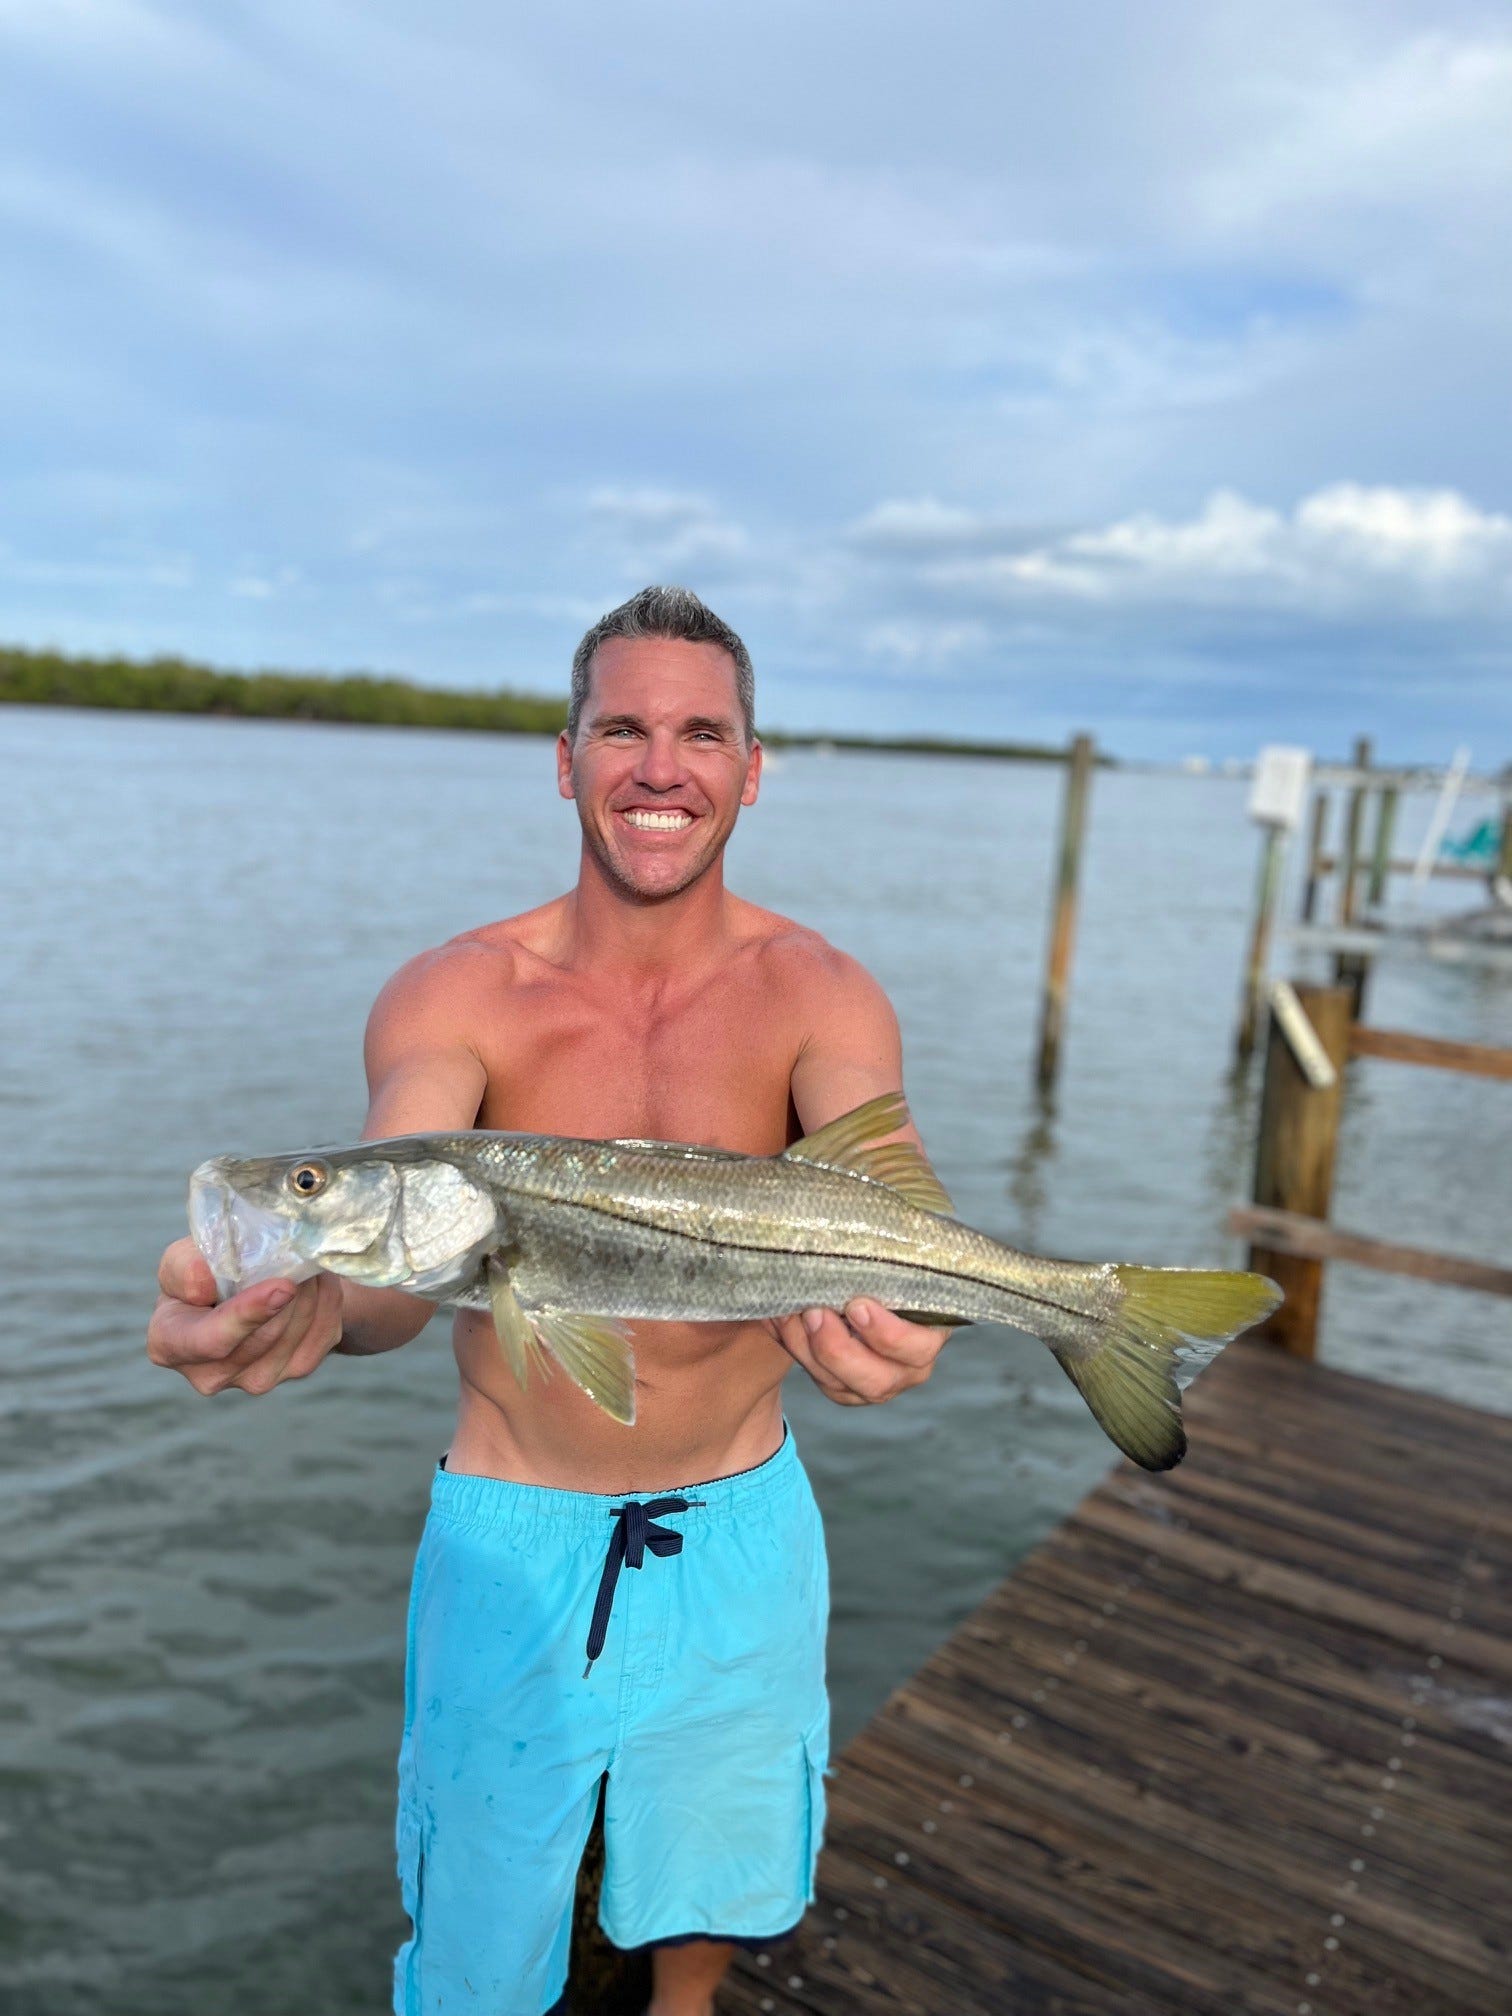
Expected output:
(1131, 1362)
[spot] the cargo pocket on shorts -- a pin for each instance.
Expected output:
(815, 1758)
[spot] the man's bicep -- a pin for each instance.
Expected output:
(423, 1074)
(854, 1051)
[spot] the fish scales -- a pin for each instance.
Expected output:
(564, 1239)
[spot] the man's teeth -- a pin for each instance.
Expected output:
(660, 822)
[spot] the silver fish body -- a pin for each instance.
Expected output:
(563, 1239)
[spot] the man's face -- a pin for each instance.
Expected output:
(661, 766)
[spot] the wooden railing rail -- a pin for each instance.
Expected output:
(1482, 1060)
(1312, 1033)
(1315, 1239)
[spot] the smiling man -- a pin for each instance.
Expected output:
(648, 1002)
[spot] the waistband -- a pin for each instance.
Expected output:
(497, 1504)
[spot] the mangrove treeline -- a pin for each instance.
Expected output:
(178, 686)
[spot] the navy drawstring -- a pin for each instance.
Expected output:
(634, 1531)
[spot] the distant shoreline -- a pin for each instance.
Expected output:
(180, 686)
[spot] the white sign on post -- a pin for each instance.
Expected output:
(1279, 791)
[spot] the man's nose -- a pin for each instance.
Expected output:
(661, 766)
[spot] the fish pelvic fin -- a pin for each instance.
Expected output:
(513, 1327)
(1130, 1366)
(854, 1143)
(595, 1353)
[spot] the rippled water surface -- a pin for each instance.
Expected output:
(201, 1635)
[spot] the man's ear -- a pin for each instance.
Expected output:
(564, 765)
(752, 783)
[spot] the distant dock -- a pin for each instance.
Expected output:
(1233, 1739)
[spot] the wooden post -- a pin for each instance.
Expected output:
(1351, 969)
(1380, 861)
(1294, 1158)
(1063, 919)
(1353, 827)
(1315, 856)
(1272, 853)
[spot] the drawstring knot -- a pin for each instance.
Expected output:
(635, 1530)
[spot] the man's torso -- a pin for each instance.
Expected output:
(705, 1056)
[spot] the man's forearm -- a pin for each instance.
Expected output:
(379, 1319)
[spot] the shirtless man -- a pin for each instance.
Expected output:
(647, 1002)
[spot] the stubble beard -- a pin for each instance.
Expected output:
(624, 882)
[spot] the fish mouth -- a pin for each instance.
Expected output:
(242, 1243)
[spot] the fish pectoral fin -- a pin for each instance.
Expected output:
(595, 1353)
(854, 1143)
(515, 1330)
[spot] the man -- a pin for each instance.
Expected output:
(648, 1002)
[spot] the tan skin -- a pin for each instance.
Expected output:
(650, 1002)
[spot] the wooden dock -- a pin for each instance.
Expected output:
(1234, 1739)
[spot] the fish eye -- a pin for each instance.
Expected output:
(309, 1179)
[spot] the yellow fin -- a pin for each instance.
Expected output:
(514, 1328)
(851, 1142)
(1132, 1365)
(594, 1352)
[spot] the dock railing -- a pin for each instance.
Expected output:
(1313, 1035)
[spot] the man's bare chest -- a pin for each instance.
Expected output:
(714, 1068)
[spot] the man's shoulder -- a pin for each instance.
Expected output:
(804, 962)
(480, 963)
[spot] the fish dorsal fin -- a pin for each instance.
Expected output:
(854, 1143)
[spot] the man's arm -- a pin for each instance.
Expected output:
(853, 1054)
(423, 1076)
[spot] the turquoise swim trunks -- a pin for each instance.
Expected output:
(699, 1612)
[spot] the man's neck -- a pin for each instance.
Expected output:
(611, 931)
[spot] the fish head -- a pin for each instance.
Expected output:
(379, 1213)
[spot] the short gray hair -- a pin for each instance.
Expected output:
(663, 612)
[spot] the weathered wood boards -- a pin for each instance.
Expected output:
(1237, 1739)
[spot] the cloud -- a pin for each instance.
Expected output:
(662, 528)
(923, 526)
(1348, 549)
(917, 645)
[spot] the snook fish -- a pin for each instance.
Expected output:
(562, 1239)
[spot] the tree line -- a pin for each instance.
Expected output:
(180, 686)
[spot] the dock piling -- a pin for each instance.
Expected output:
(1315, 861)
(1063, 918)
(1294, 1157)
(1351, 969)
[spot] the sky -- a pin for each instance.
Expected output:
(997, 371)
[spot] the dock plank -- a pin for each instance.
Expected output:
(1235, 1741)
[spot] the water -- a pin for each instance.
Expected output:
(201, 1638)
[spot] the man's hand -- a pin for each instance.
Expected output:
(867, 1355)
(254, 1340)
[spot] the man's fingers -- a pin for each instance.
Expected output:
(892, 1336)
(181, 1334)
(795, 1341)
(184, 1274)
(314, 1318)
(847, 1360)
